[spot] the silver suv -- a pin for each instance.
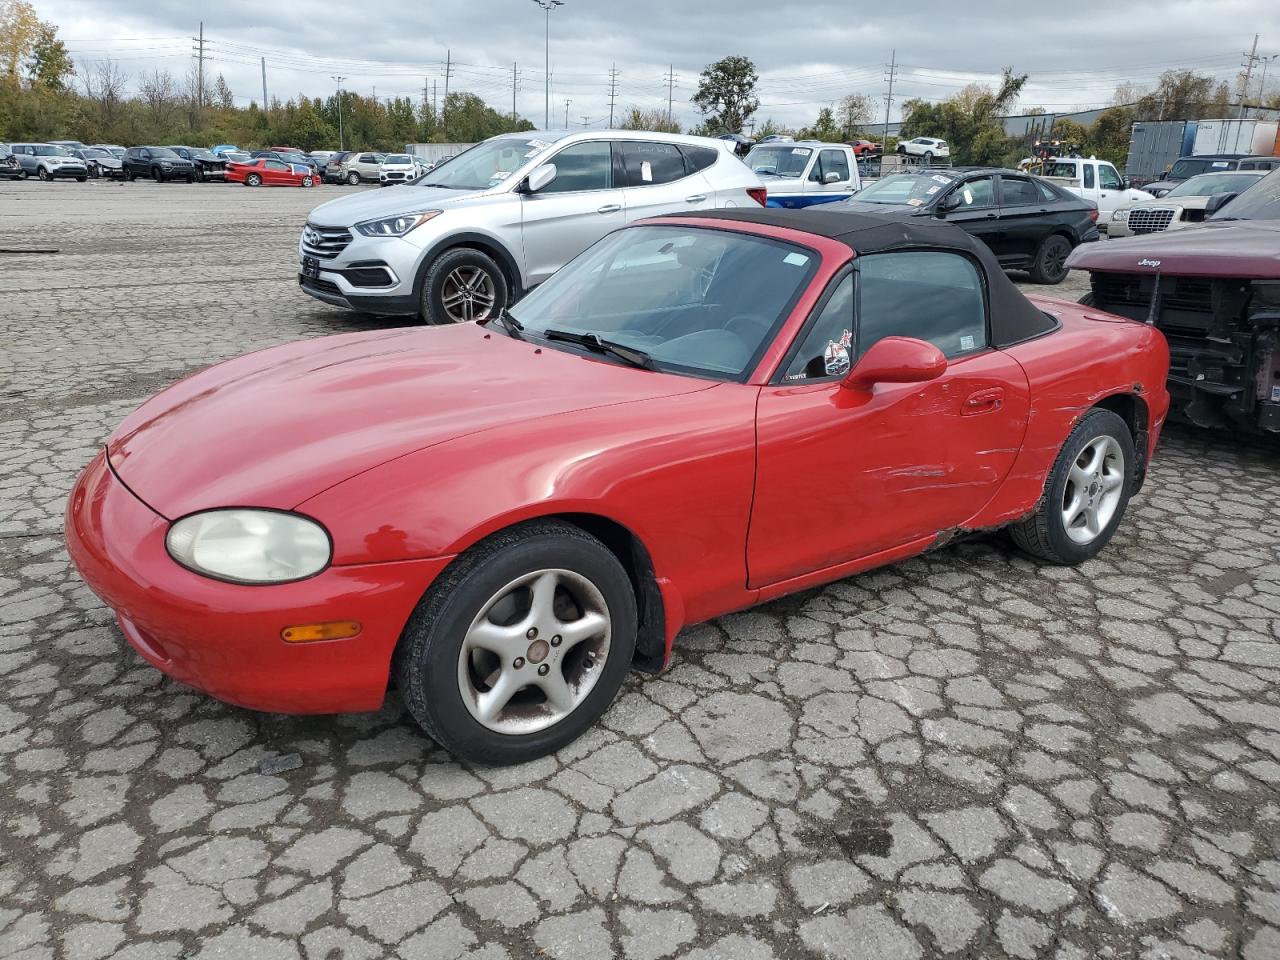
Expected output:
(48, 161)
(475, 233)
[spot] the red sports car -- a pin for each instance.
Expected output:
(268, 172)
(696, 415)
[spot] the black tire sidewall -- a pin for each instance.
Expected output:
(431, 669)
(1094, 424)
(432, 301)
(1040, 273)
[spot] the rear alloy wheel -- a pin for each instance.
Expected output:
(353, 178)
(1050, 264)
(253, 180)
(463, 286)
(520, 645)
(1085, 495)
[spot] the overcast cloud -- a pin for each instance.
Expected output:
(808, 54)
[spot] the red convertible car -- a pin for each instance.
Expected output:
(267, 172)
(696, 415)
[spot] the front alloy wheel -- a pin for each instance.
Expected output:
(520, 645)
(468, 294)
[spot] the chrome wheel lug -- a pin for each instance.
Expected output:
(533, 633)
(556, 640)
(518, 663)
(543, 670)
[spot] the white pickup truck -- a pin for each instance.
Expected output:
(1095, 180)
(805, 172)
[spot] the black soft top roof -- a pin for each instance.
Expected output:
(1014, 318)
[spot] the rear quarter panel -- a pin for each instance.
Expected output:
(1091, 357)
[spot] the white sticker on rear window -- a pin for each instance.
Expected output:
(801, 151)
(646, 171)
(966, 343)
(795, 259)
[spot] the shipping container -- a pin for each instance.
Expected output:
(1154, 145)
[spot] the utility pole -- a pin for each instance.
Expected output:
(613, 92)
(1262, 87)
(515, 79)
(264, 83)
(434, 115)
(547, 5)
(585, 121)
(448, 72)
(671, 87)
(1250, 59)
(341, 143)
(199, 73)
(566, 114)
(892, 75)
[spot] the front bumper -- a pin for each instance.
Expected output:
(223, 638)
(350, 278)
(69, 173)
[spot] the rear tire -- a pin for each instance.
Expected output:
(444, 676)
(1050, 264)
(308, 182)
(353, 178)
(253, 180)
(1092, 478)
(1086, 300)
(928, 156)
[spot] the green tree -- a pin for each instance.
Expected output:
(19, 32)
(656, 120)
(1184, 95)
(824, 128)
(853, 112)
(971, 121)
(48, 63)
(726, 94)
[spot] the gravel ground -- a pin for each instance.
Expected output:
(964, 755)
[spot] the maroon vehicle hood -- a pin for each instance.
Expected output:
(276, 427)
(1249, 249)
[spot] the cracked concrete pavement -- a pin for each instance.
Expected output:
(964, 755)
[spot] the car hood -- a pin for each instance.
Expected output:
(275, 428)
(899, 211)
(370, 204)
(1249, 249)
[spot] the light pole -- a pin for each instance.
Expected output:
(339, 80)
(547, 5)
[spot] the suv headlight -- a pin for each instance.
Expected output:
(250, 546)
(396, 226)
(1121, 215)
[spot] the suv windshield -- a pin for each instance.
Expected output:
(164, 152)
(1190, 166)
(1208, 184)
(1259, 202)
(51, 151)
(778, 160)
(911, 189)
(683, 299)
(485, 165)
(398, 158)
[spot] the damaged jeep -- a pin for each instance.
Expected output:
(1214, 291)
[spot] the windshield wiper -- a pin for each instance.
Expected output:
(594, 342)
(513, 326)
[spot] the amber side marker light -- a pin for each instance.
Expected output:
(310, 632)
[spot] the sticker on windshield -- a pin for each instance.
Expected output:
(938, 178)
(1219, 164)
(932, 190)
(836, 356)
(646, 171)
(801, 151)
(536, 145)
(914, 202)
(498, 177)
(795, 259)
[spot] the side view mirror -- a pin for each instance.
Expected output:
(1217, 202)
(540, 177)
(831, 177)
(950, 202)
(896, 360)
(1125, 182)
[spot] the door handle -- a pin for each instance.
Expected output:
(984, 401)
(696, 198)
(610, 208)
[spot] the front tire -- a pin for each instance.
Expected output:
(463, 285)
(43, 174)
(520, 645)
(156, 175)
(1050, 264)
(1086, 493)
(81, 179)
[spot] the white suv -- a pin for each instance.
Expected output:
(927, 147)
(475, 233)
(396, 168)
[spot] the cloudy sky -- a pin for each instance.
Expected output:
(808, 53)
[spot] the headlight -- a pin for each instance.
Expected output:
(395, 226)
(1121, 215)
(250, 546)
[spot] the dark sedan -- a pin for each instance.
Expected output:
(10, 169)
(1028, 223)
(208, 166)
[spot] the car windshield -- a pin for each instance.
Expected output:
(682, 299)
(1190, 166)
(164, 152)
(236, 156)
(1208, 184)
(778, 160)
(45, 150)
(200, 153)
(398, 158)
(486, 164)
(94, 153)
(904, 189)
(1259, 202)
